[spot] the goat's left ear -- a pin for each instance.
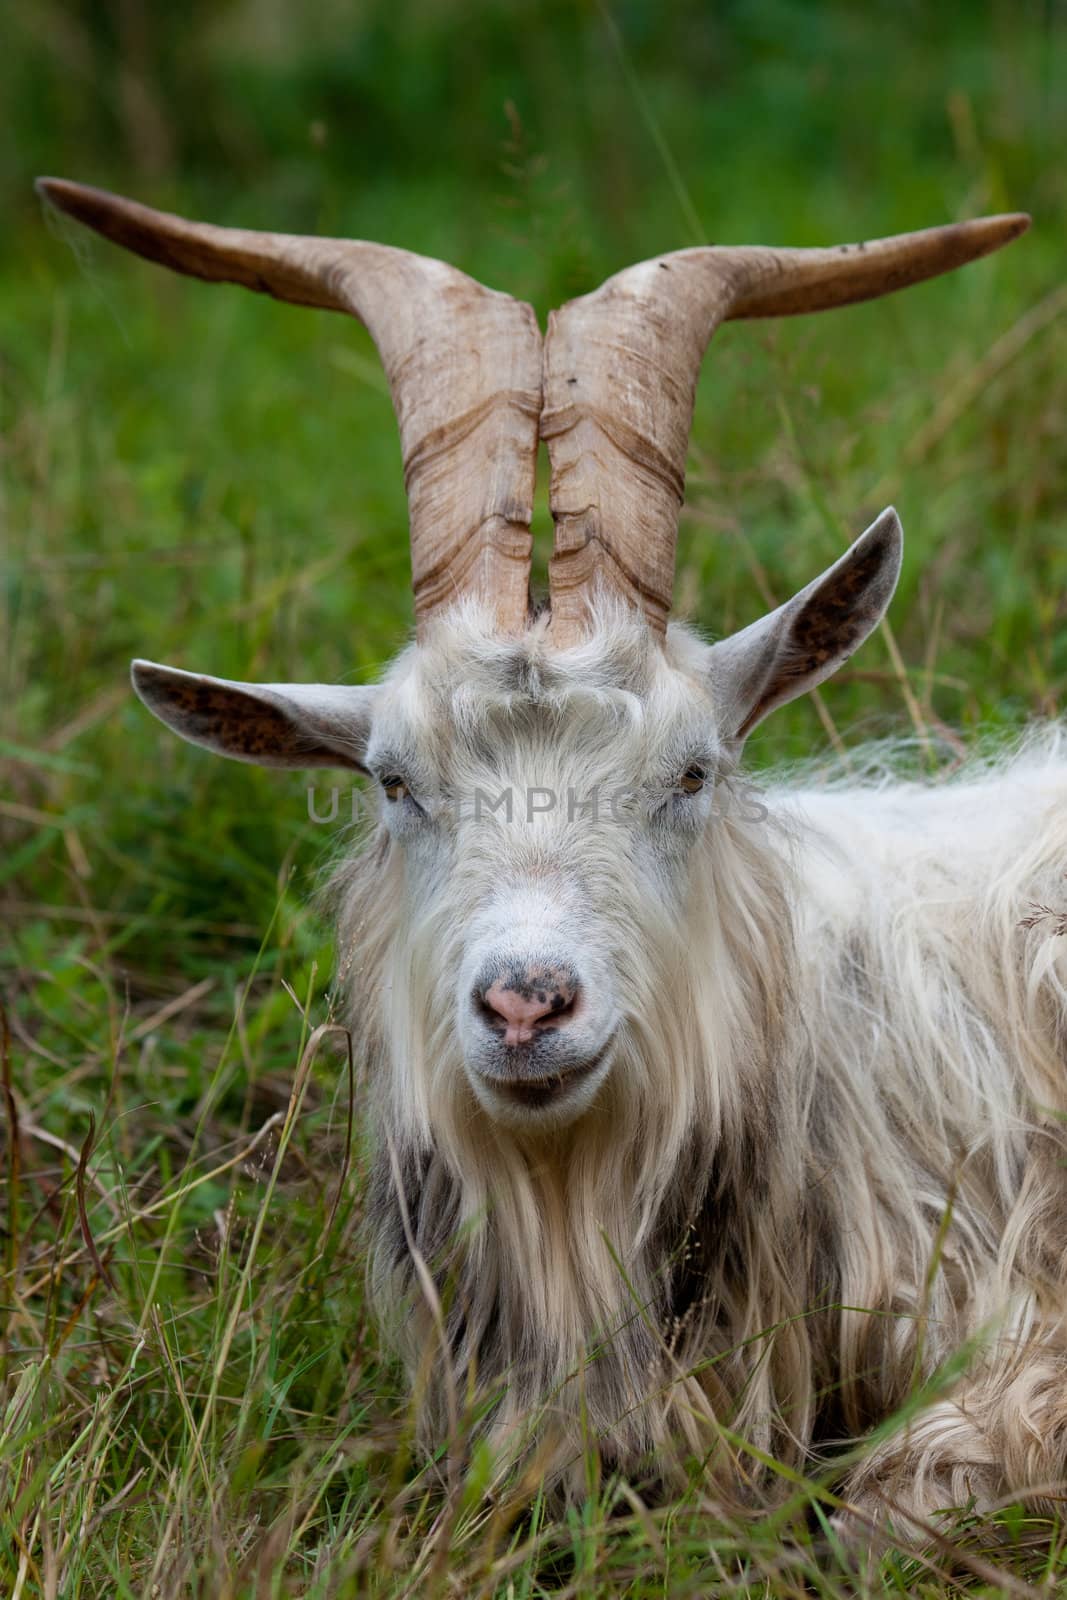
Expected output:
(270, 724)
(796, 647)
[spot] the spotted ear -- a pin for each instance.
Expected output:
(270, 724)
(796, 647)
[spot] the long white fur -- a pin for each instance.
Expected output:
(829, 1148)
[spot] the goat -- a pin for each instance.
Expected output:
(703, 1127)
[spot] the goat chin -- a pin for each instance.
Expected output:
(828, 1154)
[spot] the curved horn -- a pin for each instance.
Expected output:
(464, 371)
(621, 367)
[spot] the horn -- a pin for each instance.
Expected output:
(620, 375)
(463, 365)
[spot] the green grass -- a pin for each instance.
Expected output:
(194, 1398)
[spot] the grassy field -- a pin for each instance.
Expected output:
(193, 1396)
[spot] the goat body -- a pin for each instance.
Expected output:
(704, 1125)
(830, 1152)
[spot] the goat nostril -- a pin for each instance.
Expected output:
(484, 1009)
(563, 1006)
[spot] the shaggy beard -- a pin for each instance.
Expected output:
(579, 1274)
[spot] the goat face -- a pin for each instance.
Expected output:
(542, 807)
(539, 810)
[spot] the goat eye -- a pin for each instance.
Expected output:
(693, 779)
(395, 789)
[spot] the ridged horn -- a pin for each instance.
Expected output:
(463, 365)
(620, 375)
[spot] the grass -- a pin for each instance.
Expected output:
(194, 1397)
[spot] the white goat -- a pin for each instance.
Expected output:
(703, 1124)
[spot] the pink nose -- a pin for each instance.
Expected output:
(523, 1004)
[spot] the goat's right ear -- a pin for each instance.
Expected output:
(269, 724)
